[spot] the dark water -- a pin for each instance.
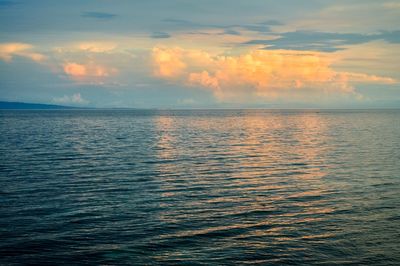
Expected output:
(200, 187)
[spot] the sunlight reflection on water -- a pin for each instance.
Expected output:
(216, 186)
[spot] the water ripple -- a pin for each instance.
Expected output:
(200, 187)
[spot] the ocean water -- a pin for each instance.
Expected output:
(200, 187)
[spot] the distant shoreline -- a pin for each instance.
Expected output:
(4, 105)
(32, 106)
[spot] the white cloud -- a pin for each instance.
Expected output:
(73, 99)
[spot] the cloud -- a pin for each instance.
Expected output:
(160, 35)
(390, 36)
(231, 32)
(89, 72)
(9, 50)
(73, 99)
(96, 46)
(168, 63)
(261, 28)
(348, 16)
(323, 41)
(375, 58)
(183, 23)
(391, 5)
(99, 15)
(174, 62)
(266, 74)
(272, 22)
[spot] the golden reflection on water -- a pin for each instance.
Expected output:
(265, 168)
(202, 187)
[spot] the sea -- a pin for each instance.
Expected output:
(200, 187)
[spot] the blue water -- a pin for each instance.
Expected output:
(220, 187)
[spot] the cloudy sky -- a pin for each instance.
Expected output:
(201, 54)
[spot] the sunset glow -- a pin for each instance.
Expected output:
(211, 132)
(264, 56)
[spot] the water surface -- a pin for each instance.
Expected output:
(200, 187)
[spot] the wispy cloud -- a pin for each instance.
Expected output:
(392, 5)
(99, 15)
(261, 28)
(231, 32)
(271, 22)
(96, 46)
(323, 41)
(160, 35)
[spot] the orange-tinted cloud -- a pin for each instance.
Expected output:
(96, 47)
(258, 73)
(88, 72)
(9, 50)
(168, 63)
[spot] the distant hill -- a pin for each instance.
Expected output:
(27, 106)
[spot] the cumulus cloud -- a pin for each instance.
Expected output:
(73, 99)
(89, 72)
(267, 74)
(9, 50)
(168, 62)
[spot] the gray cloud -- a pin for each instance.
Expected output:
(232, 29)
(160, 35)
(271, 23)
(323, 41)
(183, 23)
(99, 15)
(391, 36)
(231, 32)
(256, 28)
(133, 16)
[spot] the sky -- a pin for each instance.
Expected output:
(201, 54)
